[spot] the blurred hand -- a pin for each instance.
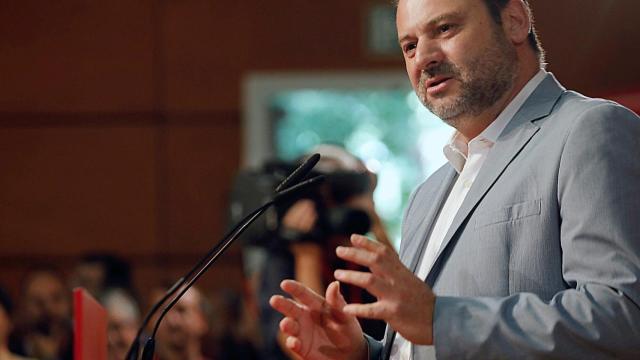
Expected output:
(403, 300)
(317, 328)
(301, 217)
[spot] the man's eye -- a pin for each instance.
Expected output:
(409, 47)
(445, 28)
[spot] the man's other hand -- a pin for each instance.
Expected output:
(403, 300)
(317, 328)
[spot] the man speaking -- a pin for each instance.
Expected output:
(527, 243)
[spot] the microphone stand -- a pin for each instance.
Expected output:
(149, 347)
(282, 190)
(133, 352)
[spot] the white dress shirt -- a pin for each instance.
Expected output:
(466, 159)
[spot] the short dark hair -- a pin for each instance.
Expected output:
(495, 8)
(117, 270)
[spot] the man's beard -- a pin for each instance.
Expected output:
(484, 79)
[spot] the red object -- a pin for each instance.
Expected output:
(90, 327)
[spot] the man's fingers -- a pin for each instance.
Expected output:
(365, 280)
(334, 297)
(336, 301)
(364, 242)
(289, 326)
(359, 256)
(294, 344)
(379, 258)
(369, 311)
(286, 307)
(303, 294)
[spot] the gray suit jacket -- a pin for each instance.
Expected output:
(543, 258)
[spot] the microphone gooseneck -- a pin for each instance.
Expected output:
(135, 346)
(285, 189)
(295, 189)
(299, 173)
(222, 246)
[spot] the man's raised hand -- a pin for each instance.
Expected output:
(317, 328)
(403, 300)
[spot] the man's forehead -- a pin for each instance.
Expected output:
(428, 9)
(419, 13)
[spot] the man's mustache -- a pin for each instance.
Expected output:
(443, 68)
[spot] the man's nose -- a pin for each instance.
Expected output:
(428, 54)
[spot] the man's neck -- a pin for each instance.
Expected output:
(471, 126)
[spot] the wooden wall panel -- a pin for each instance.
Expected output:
(74, 55)
(206, 45)
(202, 158)
(70, 189)
(310, 35)
(592, 46)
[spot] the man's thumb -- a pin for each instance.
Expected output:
(334, 296)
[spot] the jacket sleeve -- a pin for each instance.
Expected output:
(598, 315)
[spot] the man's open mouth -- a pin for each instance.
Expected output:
(437, 81)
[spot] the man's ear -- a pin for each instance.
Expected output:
(516, 21)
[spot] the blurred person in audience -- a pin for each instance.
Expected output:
(43, 326)
(181, 333)
(305, 250)
(6, 325)
(97, 272)
(123, 321)
(235, 338)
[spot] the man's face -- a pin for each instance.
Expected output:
(459, 61)
(46, 299)
(185, 322)
(121, 333)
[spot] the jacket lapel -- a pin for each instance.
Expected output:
(509, 144)
(415, 249)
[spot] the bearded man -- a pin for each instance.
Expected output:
(527, 243)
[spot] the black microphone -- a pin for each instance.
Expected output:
(298, 188)
(300, 172)
(149, 348)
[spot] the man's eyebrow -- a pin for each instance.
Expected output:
(454, 15)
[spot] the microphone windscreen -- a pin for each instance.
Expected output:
(299, 173)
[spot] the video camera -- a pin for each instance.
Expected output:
(251, 188)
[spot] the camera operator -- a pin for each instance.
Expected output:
(303, 247)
